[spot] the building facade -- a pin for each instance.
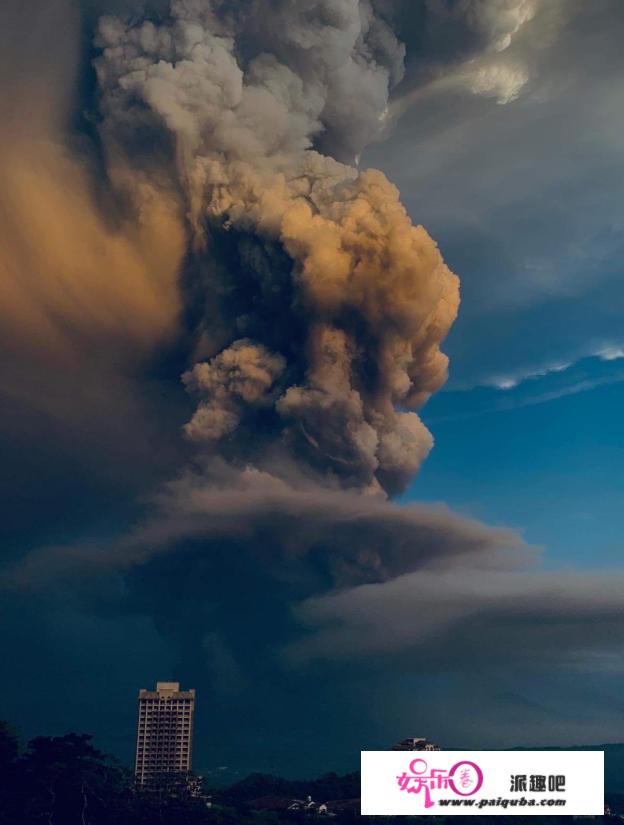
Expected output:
(415, 743)
(164, 733)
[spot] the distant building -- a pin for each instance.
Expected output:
(307, 806)
(164, 733)
(415, 744)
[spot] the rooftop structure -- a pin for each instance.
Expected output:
(415, 744)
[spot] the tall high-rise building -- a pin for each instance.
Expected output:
(165, 732)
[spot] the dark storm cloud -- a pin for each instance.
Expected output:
(485, 48)
(471, 615)
(365, 578)
(525, 199)
(315, 537)
(218, 568)
(255, 581)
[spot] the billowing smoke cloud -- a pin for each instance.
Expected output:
(233, 219)
(500, 42)
(331, 306)
(280, 74)
(496, 21)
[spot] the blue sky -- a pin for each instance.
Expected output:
(551, 467)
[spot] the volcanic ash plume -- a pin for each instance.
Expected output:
(319, 308)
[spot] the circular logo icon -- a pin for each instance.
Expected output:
(465, 778)
(418, 766)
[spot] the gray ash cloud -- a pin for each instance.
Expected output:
(324, 307)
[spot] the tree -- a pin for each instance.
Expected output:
(64, 780)
(9, 745)
(9, 750)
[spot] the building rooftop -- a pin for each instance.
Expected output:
(172, 686)
(165, 690)
(415, 743)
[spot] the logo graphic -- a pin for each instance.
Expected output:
(477, 783)
(464, 779)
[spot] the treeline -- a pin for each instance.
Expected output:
(65, 780)
(257, 785)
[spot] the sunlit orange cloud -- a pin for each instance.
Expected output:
(68, 280)
(79, 289)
